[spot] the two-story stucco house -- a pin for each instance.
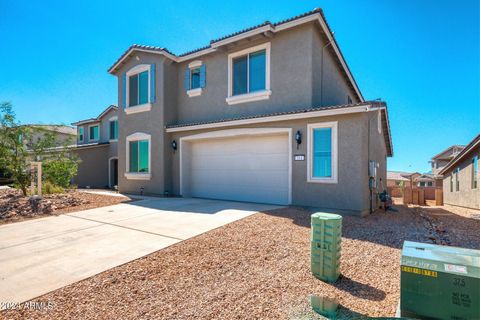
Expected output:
(461, 176)
(269, 114)
(97, 148)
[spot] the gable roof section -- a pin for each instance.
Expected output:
(266, 27)
(295, 114)
(97, 119)
(475, 143)
(397, 175)
(60, 128)
(439, 155)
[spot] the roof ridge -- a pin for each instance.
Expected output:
(267, 22)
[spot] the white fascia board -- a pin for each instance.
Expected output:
(305, 115)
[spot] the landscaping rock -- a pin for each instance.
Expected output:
(15, 207)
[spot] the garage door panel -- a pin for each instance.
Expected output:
(249, 162)
(247, 168)
(239, 178)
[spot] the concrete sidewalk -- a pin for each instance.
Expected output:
(41, 255)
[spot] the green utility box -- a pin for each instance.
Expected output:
(326, 244)
(439, 282)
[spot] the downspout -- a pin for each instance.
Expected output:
(368, 166)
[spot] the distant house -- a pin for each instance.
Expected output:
(401, 178)
(461, 177)
(97, 148)
(425, 180)
(64, 135)
(440, 160)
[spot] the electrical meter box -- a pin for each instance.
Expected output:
(326, 244)
(439, 282)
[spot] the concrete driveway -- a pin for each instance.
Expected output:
(42, 255)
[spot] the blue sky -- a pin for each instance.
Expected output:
(421, 57)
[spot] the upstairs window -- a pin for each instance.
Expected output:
(195, 78)
(93, 134)
(249, 74)
(113, 129)
(475, 172)
(80, 134)
(138, 88)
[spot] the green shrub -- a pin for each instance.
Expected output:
(59, 171)
(50, 188)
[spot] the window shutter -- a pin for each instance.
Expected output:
(186, 79)
(152, 83)
(124, 90)
(203, 76)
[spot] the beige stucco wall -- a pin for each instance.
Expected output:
(466, 196)
(350, 194)
(93, 168)
(296, 83)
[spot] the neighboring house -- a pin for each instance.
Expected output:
(402, 179)
(425, 180)
(461, 177)
(97, 148)
(398, 179)
(439, 161)
(64, 135)
(268, 114)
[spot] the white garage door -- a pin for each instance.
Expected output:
(245, 168)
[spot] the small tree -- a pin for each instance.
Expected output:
(60, 168)
(17, 147)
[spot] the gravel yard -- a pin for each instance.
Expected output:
(14, 207)
(259, 268)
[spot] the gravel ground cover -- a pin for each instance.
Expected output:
(256, 268)
(14, 207)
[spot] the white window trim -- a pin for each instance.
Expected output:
(379, 122)
(78, 134)
(139, 175)
(334, 126)
(194, 92)
(195, 64)
(142, 107)
(197, 91)
(90, 138)
(114, 118)
(251, 96)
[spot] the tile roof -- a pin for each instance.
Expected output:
(60, 128)
(399, 176)
(317, 11)
(297, 111)
(378, 104)
(97, 119)
(474, 143)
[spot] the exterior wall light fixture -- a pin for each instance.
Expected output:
(298, 138)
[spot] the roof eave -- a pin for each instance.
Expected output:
(316, 15)
(474, 143)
